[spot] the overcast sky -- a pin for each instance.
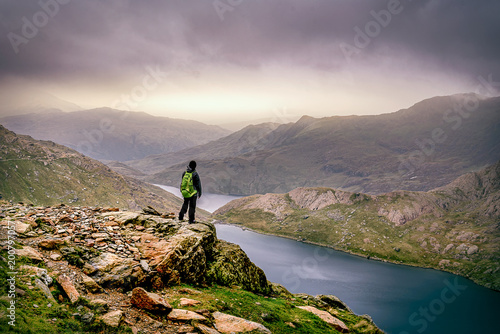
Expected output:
(228, 60)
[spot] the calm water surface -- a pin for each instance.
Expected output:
(400, 299)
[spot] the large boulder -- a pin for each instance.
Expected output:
(186, 255)
(110, 270)
(231, 266)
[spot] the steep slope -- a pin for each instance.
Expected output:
(125, 272)
(45, 173)
(109, 134)
(453, 228)
(419, 148)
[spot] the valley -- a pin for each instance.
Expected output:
(420, 148)
(453, 228)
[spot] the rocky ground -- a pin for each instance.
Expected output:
(143, 273)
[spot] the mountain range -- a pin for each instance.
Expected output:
(45, 173)
(109, 134)
(454, 228)
(419, 148)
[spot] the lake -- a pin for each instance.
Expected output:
(209, 202)
(400, 299)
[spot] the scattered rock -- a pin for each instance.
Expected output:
(100, 305)
(333, 301)
(184, 315)
(189, 302)
(447, 248)
(328, 318)
(149, 301)
(205, 329)
(113, 318)
(90, 284)
(68, 287)
(226, 323)
(50, 244)
(55, 257)
(22, 228)
(462, 248)
(88, 318)
(30, 253)
(44, 288)
(185, 329)
(444, 263)
(472, 250)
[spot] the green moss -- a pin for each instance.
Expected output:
(279, 313)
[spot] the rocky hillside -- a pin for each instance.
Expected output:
(45, 173)
(419, 148)
(92, 270)
(453, 228)
(109, 134)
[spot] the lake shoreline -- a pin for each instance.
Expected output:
(352, 252)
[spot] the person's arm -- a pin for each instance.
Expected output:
(197, 183)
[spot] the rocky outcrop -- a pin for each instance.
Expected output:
(319, 198)
(409, 206)
(186, 255)
(232, 266)
(122, 268)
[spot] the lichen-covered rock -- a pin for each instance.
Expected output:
(231, 266)
(116, 272)
(186, 256)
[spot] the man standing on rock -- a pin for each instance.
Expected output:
(191, 190)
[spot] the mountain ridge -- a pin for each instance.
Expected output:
(110, 134)
(418, 148)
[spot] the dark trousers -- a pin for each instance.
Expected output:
(191, 203)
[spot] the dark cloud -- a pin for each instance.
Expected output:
(111, 38)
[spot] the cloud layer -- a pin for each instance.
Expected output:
(204, 46)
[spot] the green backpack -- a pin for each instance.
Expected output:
(187, 187)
